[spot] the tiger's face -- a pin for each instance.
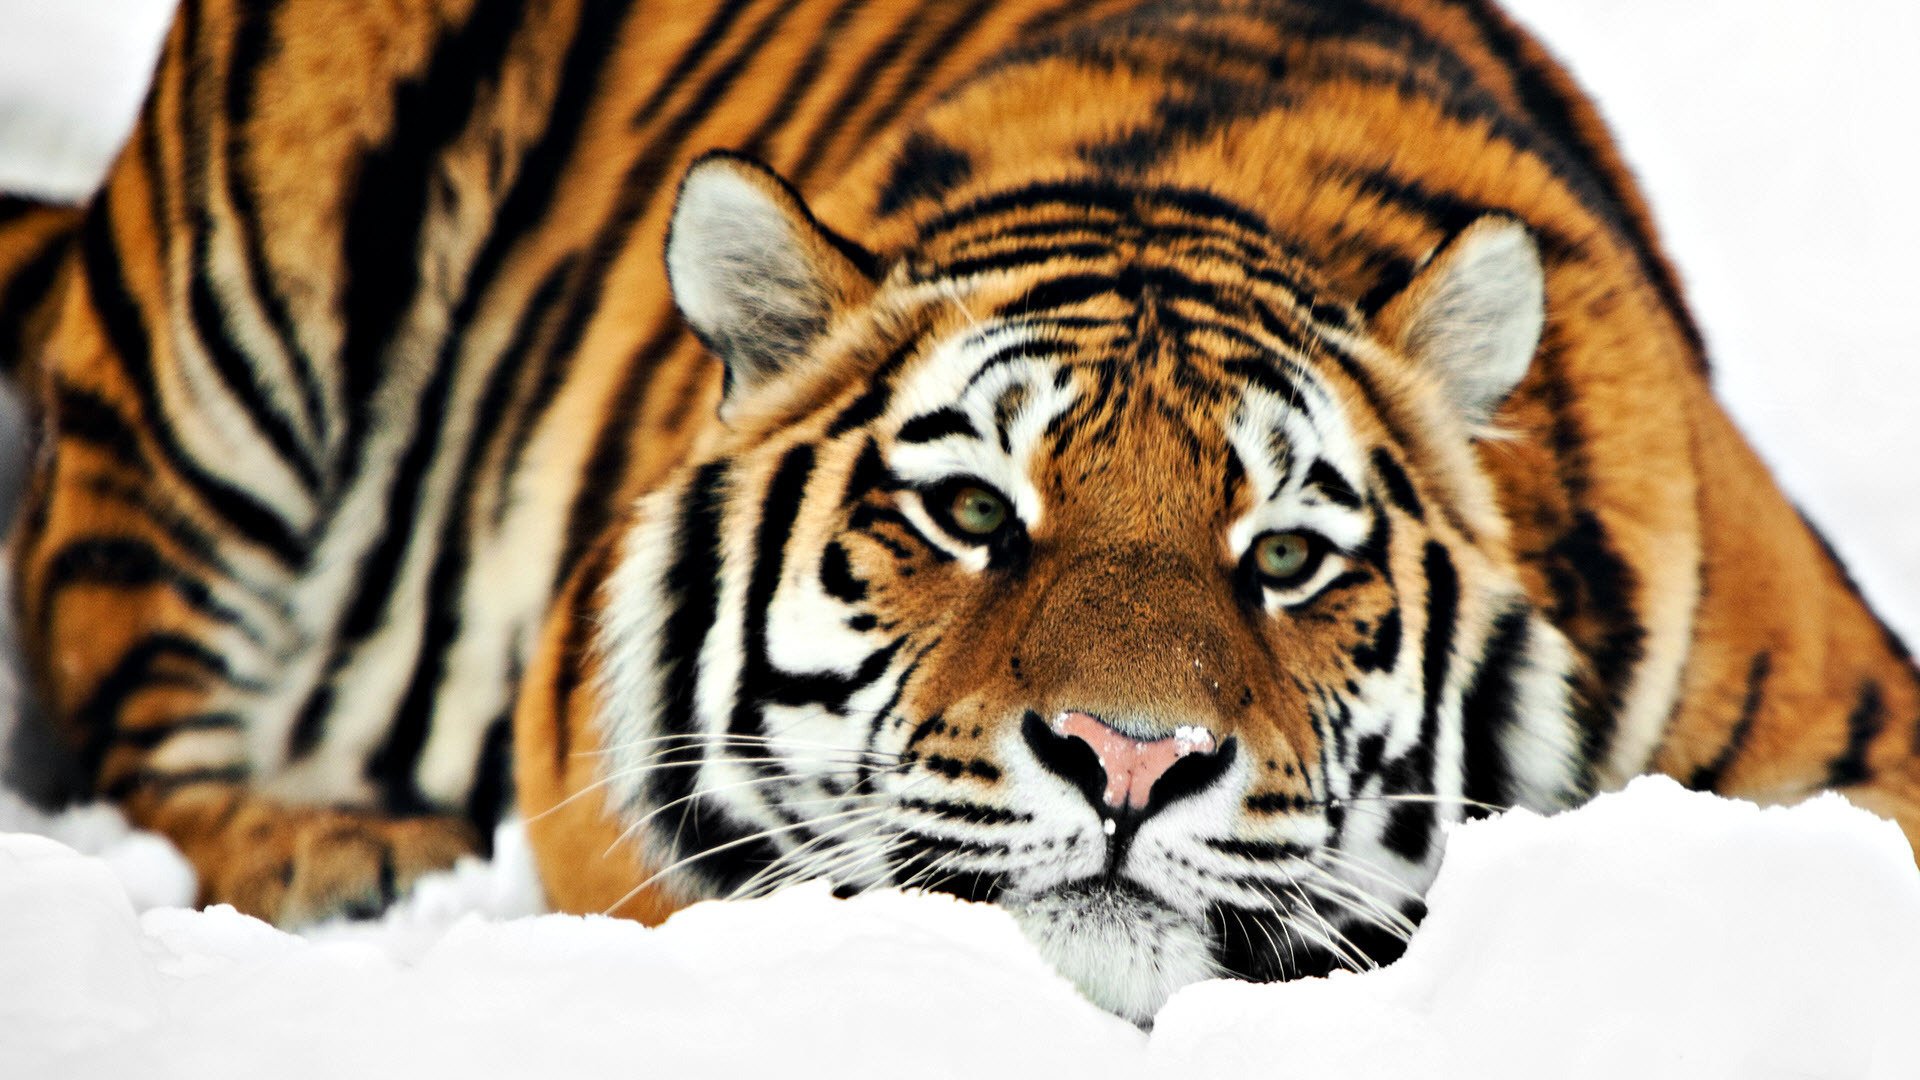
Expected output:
(1089, 563)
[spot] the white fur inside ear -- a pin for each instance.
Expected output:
(1477, 312)
(742, 272)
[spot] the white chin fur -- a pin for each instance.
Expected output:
(1126, 954)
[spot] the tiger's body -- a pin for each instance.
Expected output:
(370, 419)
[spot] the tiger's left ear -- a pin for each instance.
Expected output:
(757, 277)
(1473, 314)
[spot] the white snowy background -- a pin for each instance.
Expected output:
(1653, 933)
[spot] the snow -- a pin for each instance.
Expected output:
(72, 73)
(1652, 933)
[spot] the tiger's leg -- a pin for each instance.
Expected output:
(157, 653)
(227, 563)
(155, 650)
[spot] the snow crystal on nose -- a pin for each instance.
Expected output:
(1191, 739)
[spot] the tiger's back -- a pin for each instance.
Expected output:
(367, 346)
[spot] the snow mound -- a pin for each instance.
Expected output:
(1653, 933)
(151, 871)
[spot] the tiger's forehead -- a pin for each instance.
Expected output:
(1078, 409)
(1124, 346)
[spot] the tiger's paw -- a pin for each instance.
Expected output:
(296, 866)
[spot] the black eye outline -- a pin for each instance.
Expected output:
(939, 499)
(1317, 548)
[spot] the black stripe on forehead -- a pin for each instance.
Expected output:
(1027, 348)
(1269, 377)
(1325, 479)
(939, 424)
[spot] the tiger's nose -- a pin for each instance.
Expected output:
(1120, 769)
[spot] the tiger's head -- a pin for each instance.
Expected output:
(1086, 557)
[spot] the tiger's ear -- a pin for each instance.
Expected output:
(1473, 314)
(757, 277)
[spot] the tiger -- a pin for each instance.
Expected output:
(1152, 465)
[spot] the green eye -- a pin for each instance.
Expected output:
(1284, 558)
(977, 512)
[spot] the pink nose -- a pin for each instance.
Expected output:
(1132, 766)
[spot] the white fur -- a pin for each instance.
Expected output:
(739, 271)
(1478, 323)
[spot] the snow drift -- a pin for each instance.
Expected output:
(1654, 932)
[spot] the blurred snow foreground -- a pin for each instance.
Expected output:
(1655, 932)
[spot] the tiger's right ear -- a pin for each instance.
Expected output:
(757, 277)
(1473, 314)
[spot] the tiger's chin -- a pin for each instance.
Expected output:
(1125, 950)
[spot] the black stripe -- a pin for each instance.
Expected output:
(596, 497)
(310, 723)
(380, 568)
(1863, 723)
(387, 217)
(865, 518)
(167, 783)
(923, 169)
(207, 310)
(936, 425)
(803, 77)
(869, 474)
(1043, 349)
(575, 641)
(601, 26)
(1409, 830)
(857, 87)
(779, 510)
(1382, 652)
(213, 328)
(124, 562)
(184, 534)
(936, 48)
(86, 417)
(160, 659)
(1399, 489)
(126, 332)
(829, 691)
(837, 578)
(971, 813)
(491, 795)
(15, 207)
(393, 763)
(1234, 478)
(1707, 777)
(254, 46)
(1331, 485)
(692, 586)
(30, 286)
(1268, 377)
(878, 393)
(1057, 293)
(148, 736)
(1489, 713)
(1258, 850)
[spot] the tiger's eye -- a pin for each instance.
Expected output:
(977, 511)
(1282, 555)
